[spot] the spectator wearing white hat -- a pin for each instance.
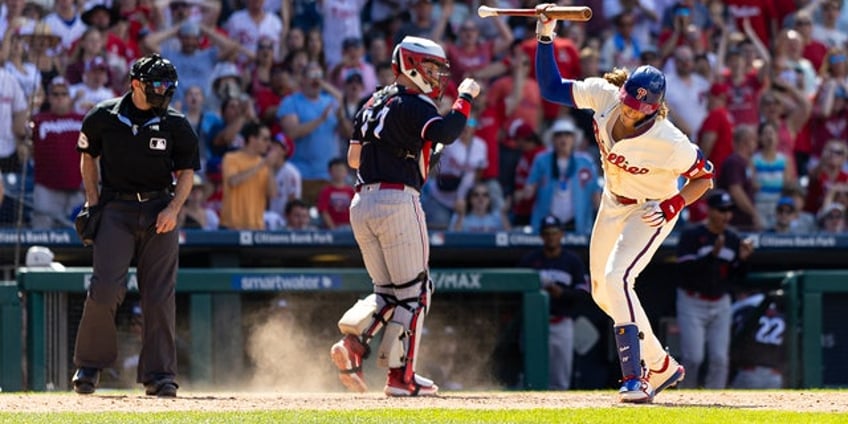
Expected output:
(564, 182)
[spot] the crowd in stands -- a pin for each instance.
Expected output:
(271, 88)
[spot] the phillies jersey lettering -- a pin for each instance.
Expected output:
(621, 162)
(645, 166)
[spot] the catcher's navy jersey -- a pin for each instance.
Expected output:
(396, 149)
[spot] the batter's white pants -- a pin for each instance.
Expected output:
(621, 247)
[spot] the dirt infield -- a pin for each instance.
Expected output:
(802, 401)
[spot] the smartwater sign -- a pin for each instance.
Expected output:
(285, 282)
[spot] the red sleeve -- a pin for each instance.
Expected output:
(711, 123)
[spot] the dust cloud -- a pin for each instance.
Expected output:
(288, 350)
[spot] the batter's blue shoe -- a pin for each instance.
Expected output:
(634, 385)
(636, 390)
(669, 374)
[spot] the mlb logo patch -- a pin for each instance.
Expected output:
(158, 143)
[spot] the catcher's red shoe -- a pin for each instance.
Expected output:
(347, 354)
(420, 386)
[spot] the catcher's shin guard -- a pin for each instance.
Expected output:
(367, 316)
(359, 324)
(403, 333)
(634, 385)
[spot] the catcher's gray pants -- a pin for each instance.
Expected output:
(391, 232)
(128, 230)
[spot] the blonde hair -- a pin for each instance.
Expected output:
(618, 76)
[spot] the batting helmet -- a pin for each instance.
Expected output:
(644, 90)
(160, 78)
(409, 57)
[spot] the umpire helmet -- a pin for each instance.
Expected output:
(409, 57)
(159, 77)
(644, 90)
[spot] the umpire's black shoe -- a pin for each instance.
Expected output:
(163, 387)
(85, 380)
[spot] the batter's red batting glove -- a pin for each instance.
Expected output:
(658, 213)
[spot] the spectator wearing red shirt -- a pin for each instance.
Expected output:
(828, 172)
(761, 14)
(267, 99)
(567, 57)
(716, 134)
(530, 145)
(814, 50)
(517, 100)
(471, 53)
(715, 138)
(334, 199)
(830, 113)
(58, 180)
(744, 88)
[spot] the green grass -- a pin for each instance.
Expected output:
(612, 415)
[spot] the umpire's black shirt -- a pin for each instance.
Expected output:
(138, 150)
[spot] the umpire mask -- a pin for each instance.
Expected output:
(159, 77)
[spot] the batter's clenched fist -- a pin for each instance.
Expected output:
(470, 87)
(545, 26)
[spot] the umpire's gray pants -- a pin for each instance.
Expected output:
(128, 230)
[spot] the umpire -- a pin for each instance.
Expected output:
(132, 148)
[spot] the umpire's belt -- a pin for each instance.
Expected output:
(384, 186)
(140, 197)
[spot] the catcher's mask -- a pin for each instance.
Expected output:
(409, 58)
(159, 78)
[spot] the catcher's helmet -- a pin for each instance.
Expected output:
(644, 90)
(409, 57)
(160, 78)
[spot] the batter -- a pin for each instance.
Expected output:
(643, 156)
(394, 134)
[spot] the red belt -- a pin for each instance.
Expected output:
(624, 200)
(554, 319)
(383, 186)
(703, 296)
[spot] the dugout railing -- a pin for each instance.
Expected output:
(816, 338)
(214, 302)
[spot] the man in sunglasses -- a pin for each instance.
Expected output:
(133, 146)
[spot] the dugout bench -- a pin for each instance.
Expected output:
(214, 303)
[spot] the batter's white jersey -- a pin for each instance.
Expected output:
(644, 167)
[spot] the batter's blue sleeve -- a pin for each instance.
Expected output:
(553, 87)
